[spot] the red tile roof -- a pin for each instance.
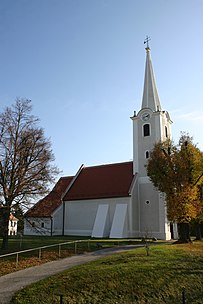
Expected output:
(105, 181)
(46, 206)
(12, 217)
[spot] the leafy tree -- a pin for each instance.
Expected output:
(26, 161)
(197, 223)
(178, 172)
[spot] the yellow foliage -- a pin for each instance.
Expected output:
(178, 172)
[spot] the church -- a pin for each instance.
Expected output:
(113, 200)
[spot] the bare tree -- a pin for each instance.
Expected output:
(26, 160)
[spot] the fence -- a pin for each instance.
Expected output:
(75, 246)
(59, 247)
(39, 249)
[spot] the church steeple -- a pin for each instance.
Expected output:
(150, 125)
(150, 95)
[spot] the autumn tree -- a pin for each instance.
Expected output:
(177, 171)
(26, 161)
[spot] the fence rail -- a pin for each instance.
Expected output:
(39, 249)
(75, 247)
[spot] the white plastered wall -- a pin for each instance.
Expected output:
(149, 211)
(57, 221)
(80, 215)
(33, 226)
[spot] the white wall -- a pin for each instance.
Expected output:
(80, 215)
(57, 223)
(12, 227)
(37, 226)
(149, 211)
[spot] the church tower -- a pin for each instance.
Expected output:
(150, 125)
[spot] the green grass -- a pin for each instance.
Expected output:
(128, 277)
(28, 242)
(31, 258)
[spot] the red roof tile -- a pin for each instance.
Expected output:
(46, 206)
(105, 181)
(12, 217)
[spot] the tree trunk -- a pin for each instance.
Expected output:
(4, 214)
(198, 233)
(184, 233)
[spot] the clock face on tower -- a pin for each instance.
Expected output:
(145, 116)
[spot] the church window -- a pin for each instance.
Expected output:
(42, 225)
(33, 224)
(146, 130)
(147, 154)
(147, 202)
(166, 131)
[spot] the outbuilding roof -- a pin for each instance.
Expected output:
(12, 217)
(46, 206)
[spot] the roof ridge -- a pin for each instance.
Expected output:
(66, 176)
(105, 165)
(72, 182)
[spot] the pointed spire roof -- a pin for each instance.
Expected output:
(150, 95)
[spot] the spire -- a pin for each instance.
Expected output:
(150, 95)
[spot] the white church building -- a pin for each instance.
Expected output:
(114, 200)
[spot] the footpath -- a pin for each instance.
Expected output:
(12, 282)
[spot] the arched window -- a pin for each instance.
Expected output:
(146, 130)
(147, 154)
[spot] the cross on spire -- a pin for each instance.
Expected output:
(147, 42)
(150, 95)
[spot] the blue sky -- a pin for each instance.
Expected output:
(81, 62)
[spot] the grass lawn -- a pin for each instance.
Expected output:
(29, 259)
(128, 277)
(17, 243)
(27, 242)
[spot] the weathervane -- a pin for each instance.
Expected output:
(147, 41)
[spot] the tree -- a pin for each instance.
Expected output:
(26, 161)
(197, 223)
(178, 172)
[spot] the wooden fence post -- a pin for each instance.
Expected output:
(59, 250)
(40, 253)
(61, 299)
(183, 296)
(16, 259)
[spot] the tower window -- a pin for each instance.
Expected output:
(166, 131)
(42, 225)
(146, 130)
(147, 202)
(147, 154)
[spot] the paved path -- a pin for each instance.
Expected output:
(11, 283)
